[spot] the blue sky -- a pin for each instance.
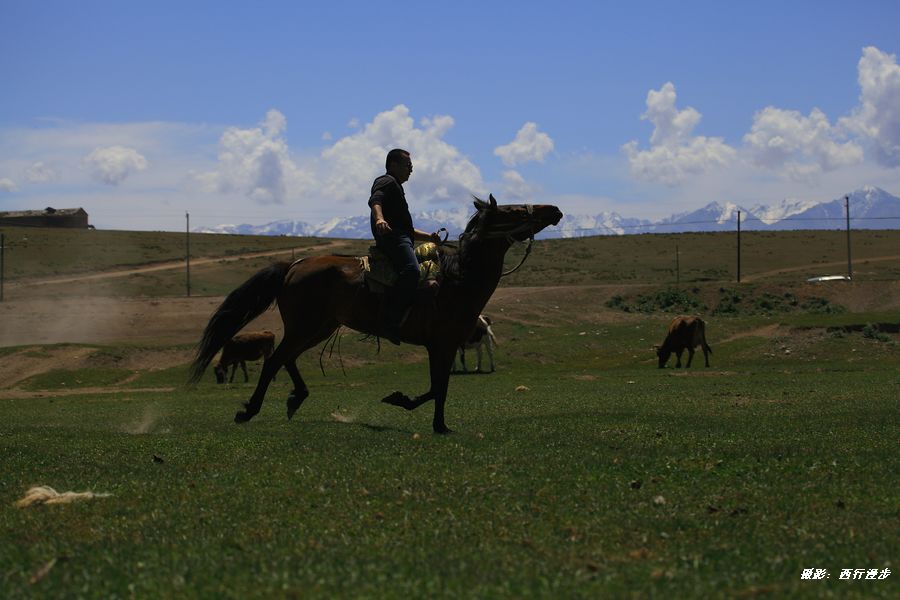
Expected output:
(252, 112)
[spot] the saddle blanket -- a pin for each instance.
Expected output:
(380, 273)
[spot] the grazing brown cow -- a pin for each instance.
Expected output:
(482, 336)
(685, 333)
(242, 347)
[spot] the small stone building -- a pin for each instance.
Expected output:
(49, 217)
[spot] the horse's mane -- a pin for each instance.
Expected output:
(454, 259)
(473, 226)
(450, 261)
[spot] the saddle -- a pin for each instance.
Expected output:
(380, 274)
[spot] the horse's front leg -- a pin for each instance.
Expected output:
(439, 362)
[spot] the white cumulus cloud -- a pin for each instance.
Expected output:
(257, 163)
(529, 145)
(440, 172)
(7, 185)
(674, 153)
(799, 146)
(113, 164)
(670, 125)
(516, 188)
(877, 118)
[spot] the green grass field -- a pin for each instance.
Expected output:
(577, 470)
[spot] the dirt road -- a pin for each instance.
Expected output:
(170, 265)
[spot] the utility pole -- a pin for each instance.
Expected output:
(677, 269)
(2, 249)
(739, 246)
(187, 253)
(849, 262)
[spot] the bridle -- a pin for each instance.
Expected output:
(509, 237)
(526, 225)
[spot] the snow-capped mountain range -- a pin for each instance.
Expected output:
(870, 208)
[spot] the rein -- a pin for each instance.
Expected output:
(521, 262)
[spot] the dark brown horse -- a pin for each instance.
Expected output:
(318, 294)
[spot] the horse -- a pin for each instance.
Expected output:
(317, 294)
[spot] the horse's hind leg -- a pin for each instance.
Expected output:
(294, 343)
(244, 369)
(300, 391)
(252, 406)
(310, 337)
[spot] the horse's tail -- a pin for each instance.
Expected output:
(241, 306)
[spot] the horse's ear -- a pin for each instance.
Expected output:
(481, 204)
(493, 202)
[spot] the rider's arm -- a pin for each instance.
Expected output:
(421, 236)
(381, 226)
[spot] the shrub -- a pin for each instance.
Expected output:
(729, 302)
(822, 306)
(668, 300)
(871, 332)
(618, 302)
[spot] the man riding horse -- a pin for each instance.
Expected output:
(392, 227)
(318, 294)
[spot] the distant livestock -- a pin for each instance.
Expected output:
(243, 347)
(482, 337)
(685, 333)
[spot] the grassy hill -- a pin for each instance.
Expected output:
(703, 258)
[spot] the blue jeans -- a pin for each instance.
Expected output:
(399, 250)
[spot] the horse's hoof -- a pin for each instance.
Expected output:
(294, 401)
(242, 417)
(442, 429)
(398, 399)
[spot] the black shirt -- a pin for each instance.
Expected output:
(394, 208)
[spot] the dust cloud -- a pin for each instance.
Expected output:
(147, 422)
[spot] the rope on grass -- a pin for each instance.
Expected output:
(44, 494)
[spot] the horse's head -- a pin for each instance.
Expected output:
(515, 222)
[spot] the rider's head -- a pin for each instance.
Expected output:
(399, 164)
